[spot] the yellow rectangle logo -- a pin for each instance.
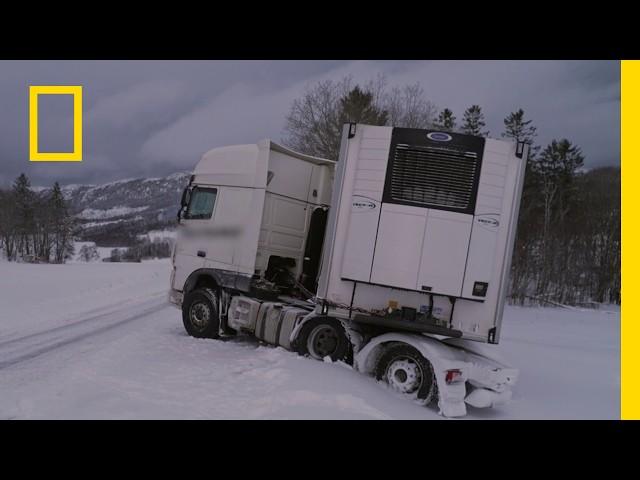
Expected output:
(34, 154)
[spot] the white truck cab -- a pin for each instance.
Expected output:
(391, 259)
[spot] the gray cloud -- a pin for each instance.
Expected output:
(150, 118)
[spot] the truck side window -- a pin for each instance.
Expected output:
(201, 203)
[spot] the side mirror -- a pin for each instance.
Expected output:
(186, 196)
(184, 202)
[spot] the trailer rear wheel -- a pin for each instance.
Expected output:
(200, 313)
(323, 337)
(406, 371)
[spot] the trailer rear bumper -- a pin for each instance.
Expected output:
(489, 385)
(483, 373)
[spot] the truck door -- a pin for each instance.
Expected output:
(191, 242)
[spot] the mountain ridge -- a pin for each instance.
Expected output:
(115, 213)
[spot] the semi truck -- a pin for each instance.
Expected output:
(393, 259)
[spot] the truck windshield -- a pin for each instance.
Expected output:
(201, 203)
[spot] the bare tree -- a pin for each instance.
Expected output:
(8, 225)
(314, 123)
(408, 107)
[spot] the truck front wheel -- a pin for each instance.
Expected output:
(200, 313)
(408, 372)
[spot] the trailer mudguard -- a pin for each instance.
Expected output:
(450, 397)
(222, 278)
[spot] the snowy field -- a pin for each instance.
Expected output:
(98, 340)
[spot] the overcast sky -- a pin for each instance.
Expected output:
(151, 118)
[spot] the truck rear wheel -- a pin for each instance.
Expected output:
(322, 337)
(200, 313)
(406, 371)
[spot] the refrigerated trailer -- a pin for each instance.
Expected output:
(394, 259)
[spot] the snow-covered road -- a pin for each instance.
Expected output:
(33, 345)
(99, 341)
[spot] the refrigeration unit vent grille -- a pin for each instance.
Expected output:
(434, 177)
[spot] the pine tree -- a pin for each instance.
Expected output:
(358, 107)
(61, 225)
(473, 121)
(42, 239)
(446, 121)
(24, 199)
(8, 225)
(556, 169)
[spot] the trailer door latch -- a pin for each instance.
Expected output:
(492, 335)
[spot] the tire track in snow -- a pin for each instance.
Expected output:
(34, 345)
(101, 312)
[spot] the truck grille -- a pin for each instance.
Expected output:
(434, 176)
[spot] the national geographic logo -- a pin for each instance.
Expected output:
(35, 155)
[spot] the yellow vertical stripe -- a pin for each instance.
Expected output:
(33, 122)
(77, 123)
(630, 168)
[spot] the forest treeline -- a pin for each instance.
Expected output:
(35, 226)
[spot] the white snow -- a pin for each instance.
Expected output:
(98, 340)
(100, 224)
(152, 235)
(97, 214)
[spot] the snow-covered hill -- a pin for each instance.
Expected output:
(116, 212)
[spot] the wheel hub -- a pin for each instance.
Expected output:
(199, 314)
(404, 375)
(322, 342)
